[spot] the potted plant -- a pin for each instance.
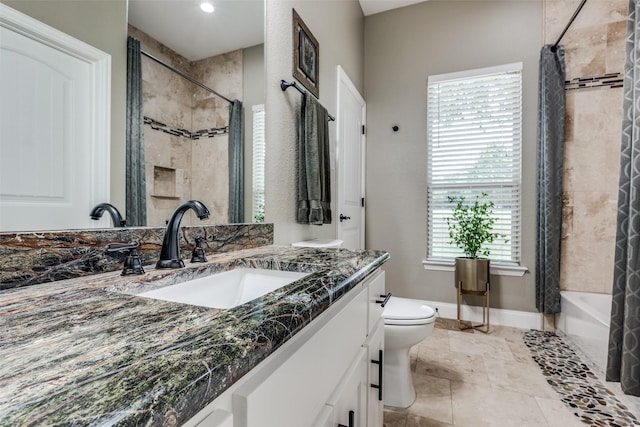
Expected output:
(470, 229)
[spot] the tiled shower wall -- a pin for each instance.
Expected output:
(178, 168)
(594, 46)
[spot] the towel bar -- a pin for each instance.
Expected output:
(286, 85)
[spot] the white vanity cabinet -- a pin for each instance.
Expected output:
(217, 418)
(374, 345)
(375, 359)
(319, 376)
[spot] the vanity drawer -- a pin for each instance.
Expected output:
(376, 288)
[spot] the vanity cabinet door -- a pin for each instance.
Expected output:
(325, 419)
(376, 287)
(375, 359)
(218, 418)
(349, 400)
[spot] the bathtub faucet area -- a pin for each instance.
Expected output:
(170, 253)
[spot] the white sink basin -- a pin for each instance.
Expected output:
(226, 289)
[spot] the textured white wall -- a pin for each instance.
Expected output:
(402, 48)
(338, 26)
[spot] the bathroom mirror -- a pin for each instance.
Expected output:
(187, 28)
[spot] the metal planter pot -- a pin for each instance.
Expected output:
(472, 274)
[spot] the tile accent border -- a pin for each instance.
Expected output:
(172, 130)
(611, 80)
(580, 388)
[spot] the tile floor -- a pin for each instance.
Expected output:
(471, 379)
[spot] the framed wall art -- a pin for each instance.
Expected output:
(306, 56)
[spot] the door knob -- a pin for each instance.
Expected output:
(343, 217)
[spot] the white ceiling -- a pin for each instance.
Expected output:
(369, 7)
(235, 24)
(183, 27)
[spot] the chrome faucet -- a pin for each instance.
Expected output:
(170, 253)
(98, 210)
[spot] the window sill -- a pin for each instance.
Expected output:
(497, 268)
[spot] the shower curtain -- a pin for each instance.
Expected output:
(623, 360)
(236, 160)
(551, 104)
(136, 200)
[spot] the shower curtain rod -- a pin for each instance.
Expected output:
(184, 76)
(578, 9)
(285, 85)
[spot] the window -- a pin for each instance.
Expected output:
(474, 121)
(258, 163)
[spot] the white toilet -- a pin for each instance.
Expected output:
(406, 323)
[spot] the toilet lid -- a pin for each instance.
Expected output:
(406, 311)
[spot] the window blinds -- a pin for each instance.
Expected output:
(258, 161)
(474, 131)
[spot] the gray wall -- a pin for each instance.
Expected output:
(102, 24)
(402, 48)
(338, 27)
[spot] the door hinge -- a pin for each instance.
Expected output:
(362, 202)
(363, 130)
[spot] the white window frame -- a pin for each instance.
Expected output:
(258, 160)
(511, 267)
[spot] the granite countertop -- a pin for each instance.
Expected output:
(87, 351)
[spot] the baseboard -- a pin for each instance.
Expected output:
(497, 316)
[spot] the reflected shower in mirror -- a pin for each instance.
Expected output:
(193, 106)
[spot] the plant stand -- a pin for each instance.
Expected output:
(485, 308)
(472, 278)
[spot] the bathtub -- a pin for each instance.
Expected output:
(585, 319)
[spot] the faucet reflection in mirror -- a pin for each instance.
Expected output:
(170, 253)
(116, 218)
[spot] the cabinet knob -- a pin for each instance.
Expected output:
(379, 385)
(352, 416)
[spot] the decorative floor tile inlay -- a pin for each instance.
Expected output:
(590, 400)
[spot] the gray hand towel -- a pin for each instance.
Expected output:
(314, 172)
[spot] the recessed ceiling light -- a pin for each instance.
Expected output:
(207, 7)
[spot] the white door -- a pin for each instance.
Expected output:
(54, 135)
(350, 151)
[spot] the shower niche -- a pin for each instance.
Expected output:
(165, 183)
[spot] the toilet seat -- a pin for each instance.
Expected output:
(406, 311)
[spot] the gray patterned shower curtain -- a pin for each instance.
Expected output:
(623, 361)
(236, 163)
(136, 187)
(551, 104)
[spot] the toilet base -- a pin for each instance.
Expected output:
(398, 385)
